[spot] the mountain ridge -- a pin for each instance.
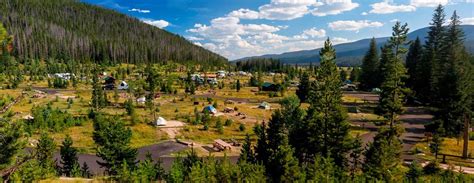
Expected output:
(350, 54)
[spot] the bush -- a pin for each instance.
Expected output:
(242, 127)
(432, 168)
(228, 122)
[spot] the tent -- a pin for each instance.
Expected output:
(211, 109)
(161, 121)
(141, 100)
(123, 85)
(264, 105)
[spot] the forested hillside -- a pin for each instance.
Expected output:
(68, 29)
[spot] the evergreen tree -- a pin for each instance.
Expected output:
(44, 153)
(415, 172)
(432, 57)
(303, 87)
(413, 64)
(68, 156)
(370, 65)
(355, 156)
(85, 170)
(246, 153)
(327, 130)
(456, 85)
(355, 74)
(382, 156)
(98, 100)
(113, 144)
(393, 71)
(261, 148)
(237, 86)
(343, 75)
(11, 143)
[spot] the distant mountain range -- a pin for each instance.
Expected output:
(349, 54)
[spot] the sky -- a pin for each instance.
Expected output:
(242, 28)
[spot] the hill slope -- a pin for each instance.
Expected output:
(69, 29)
(352, 53)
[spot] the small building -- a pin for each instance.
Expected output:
(266, 86)
(264, 105)
(123, 85)
(160, 121)
(211, 109)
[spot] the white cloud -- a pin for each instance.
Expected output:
(387, 8)
(139, 10)
(194, 38)
(311, 33)
(364, 13)
(157, 23)
(428, 3)
(351, 25)
(244, 14)
(292, 9)
(394, 20)
(467, 21)
(285, 9)
(232, 39)
(333, 7)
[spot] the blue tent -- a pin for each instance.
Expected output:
(211, 109)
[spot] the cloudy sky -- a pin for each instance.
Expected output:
(241, 28)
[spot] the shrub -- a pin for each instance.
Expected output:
(242, 127)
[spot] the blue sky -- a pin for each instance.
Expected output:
(241, 28)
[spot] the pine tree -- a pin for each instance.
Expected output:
(303, 87)
(393, 72)
(69, 158)
(382, 156)
(355, 74)
(413, 64)
(237, 86)
(11, 143)
(246, 153)
(98, 100)
(370, 65)
(432, 57)
(355, 156)
(456, 85)
(327, 130)
(261, 148)
(113, 144)
(44, 153)
(85, 171)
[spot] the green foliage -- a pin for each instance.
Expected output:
(303, 87)
(46, 118)
(113, 143)
(253, 65)
(99, 100)
(241, 127)
(237, 85)
(383, 155)
(370, 67)
(228, 122)
(393, 74)
(11, 143)
(415, 172)
(327, 130)
(69, 158)
(90, 36)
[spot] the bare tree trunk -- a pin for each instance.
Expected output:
(466, 135)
